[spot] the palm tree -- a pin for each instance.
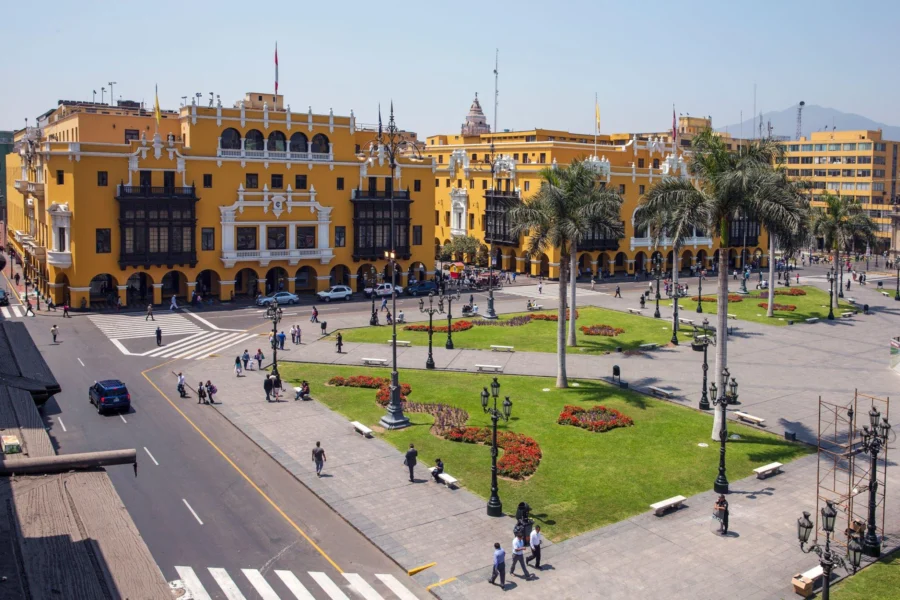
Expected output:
(726, 184)
(790, 235)
(569, 205)
(838, 223)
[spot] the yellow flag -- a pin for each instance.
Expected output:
(156, 107)
(597, 113)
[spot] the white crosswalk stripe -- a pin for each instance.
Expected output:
(12, 311)
(192, 583)
(328, 586)
(121, 327)
(531, 291)
(395, 586)
(228, 586)
(259, 582)
(364, 589)
(293, 584)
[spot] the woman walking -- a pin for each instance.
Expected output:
(237, 366)
(259, 357)
(201, 394)
(210, 390)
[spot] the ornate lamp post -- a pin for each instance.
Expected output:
(896, 295)
(701, 344)
(274, 313)
(373, 281)
(429, 364)
(657, 273)
(450, 298)
(700, 289)
(494, 506)
(875, 439)
(674, 295)
(721, 484)
(827, 558)
(831, 294)
(394, 419)
(841, 279)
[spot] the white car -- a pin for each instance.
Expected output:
(281, 297)
(336, 292)
(382, 289)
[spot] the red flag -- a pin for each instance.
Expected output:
(276, 68)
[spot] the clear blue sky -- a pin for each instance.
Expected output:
(431, 58)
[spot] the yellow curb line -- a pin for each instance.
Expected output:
(439, 583)
(412, 572)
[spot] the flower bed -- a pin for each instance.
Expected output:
(731, 298)
(521, 454)
(458, 326)
(551, 316)
(794, 291)
(607, 330)
(513, 322)
(597, 419)
(776, 306)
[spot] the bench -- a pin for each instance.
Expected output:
(658, 391)
(375, 361)
(885, 294)
(495, 348)
(490, 368)
(749, 418)
(847, 315)
(684, 321)
(449, 480)
(359, 427)
(804, 582)
(400, 342)
(851, 300)
(731, 316)
(636, 311)
(766, 470)
(649, 346)
(536, 307)
(813, 320)
(660, 508)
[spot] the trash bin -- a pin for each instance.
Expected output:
(324, 327)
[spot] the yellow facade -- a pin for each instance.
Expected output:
(219, 200)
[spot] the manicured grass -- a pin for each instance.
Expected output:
(537, 336)
(881, 581)
(813, 304)
(585, 479)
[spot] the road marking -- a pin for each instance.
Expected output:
(328, 586)
(5, 312)
(260, 584)
(123, 418)
(15, 310)
(240, 471)
(151, 456)
(82, 364)
(293, 584)
(207, 323)
(192, 512)
(228, 344)
(395, 586)
(192, 583)
(360, 586)
(428, 587)
(229, 587)
(61, 424)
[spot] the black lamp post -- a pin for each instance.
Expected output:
(394, 418)
(274, 313)
(494, 506)
(831, 294)
(721, 484)
(700, 289)
(429, 364)
(841, 279)
(896, 295)
(827, 558)
(701, 344)
(450, 298)
(657, 273)
(373, 282)
(674, 295)
(875, 439)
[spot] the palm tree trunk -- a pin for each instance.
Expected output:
(573, 264)
(770, 312)
(837, 268)
(721, 337)
(561, 379)
(675, 266)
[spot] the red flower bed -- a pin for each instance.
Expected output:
(597, 419)
(731, 298)
(782, 307)
(521, 454)
(552, 316)
(607, 330)
(794, 291)
(382, 384)
(458, 326)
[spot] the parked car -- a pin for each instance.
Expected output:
(422, 287)
(109, 395)
(281, 297)
(382, 289)
(4, 298)
(335, 292)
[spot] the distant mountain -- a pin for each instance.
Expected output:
(815, 118)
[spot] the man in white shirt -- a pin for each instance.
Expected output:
(535, 543)
(519, 556)
(173, 305)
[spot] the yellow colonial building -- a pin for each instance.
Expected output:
(468, 203)
(224, 201)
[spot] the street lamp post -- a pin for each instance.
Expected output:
(450, 298)
(841, 279)
(831, 294)
(429, 364)
(394, 418)
(701, 344)
(373, 282)
(657, 272)
(674, 339)
(875, 439)
(494, 506)
(700, 290)
(728, 397)
(828, 559)
(274, 314)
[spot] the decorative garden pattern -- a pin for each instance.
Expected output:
(776, 306)
(607, 330)
(597, 419)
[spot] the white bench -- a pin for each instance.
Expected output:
(365, 431)
(769, 469)
(495, 348)
(851, 300)
(847, 315)
(375, 361)
(885, 294)
(731, 316)
(635, 311)
(537, 307)
(804, 582)
(491, 368)
(649, 346)
(813, 320)
(400, 343)
(662, 507)
(658, 391)
(685, 321)
(749, 418)
(449, 480)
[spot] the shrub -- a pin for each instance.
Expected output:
(513, 322)
(521, 454)
(776, 306)
(552, 316)
(458, 326)
(607, 330)
(597, 419)
(731, 298)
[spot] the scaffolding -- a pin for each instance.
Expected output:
(844, 470)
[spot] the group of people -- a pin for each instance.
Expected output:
(242, 362)
(518, 549)
(205, 391)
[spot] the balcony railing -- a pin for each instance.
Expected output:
(147, 191)
(293, 256)
(62, 260)
(649, 242)
(360, 194)
(598, 244)
(146, 259)
(35, 188)
(502, 193)
(277, 154)
(456, 232)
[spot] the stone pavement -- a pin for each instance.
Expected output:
(781, 374)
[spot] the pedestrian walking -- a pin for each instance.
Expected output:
(514, 276)
(210, 390)
(384, 304)
(158, 336)
(298, 335)
(798, 278)
(281, 339)
(28, 308)
(259, 357)
(499, 566)
(315, 315)
(535, 543)
(180, 386)
(540, 287)
(51, 305)
(237, 366)
(519, 556)
(245, 357)
(173, 305)
(618, 295)
(471, 300)
(593, 281)
(118, 304)
(54, 331)
(276, 385)
(339, 343)
(722, 513)
(17, 278)
(201, 394)
(318, 456)
(293, 335)
(268, 385)
(66, 314)
(150, 313)
(410, 461)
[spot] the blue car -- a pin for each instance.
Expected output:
(110, 395)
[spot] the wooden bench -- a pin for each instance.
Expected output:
(658, 391)
(813, 320)
(769, 469)
(359, 427)
(660, 508)
(847, 315)
(490, 368)
(375, 361)
(804, 582)
(636, 311)
(400, 343)
(495, 348)
(449, 480)
(649, 346)
(684, 321)
(749, 418)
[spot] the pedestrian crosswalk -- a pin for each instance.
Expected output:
(549, 292)
(12, 311)
(121, 327)
(200, 345)
(216, 582)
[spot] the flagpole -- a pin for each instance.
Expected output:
(596, 122)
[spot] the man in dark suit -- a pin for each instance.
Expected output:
(410, 460)
(268, 385)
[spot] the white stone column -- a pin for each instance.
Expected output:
(292, 236)
(261, 243)
(323, 235)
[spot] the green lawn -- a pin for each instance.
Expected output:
(813, 304)
(537, 336)
(585, 479)
(881, 581)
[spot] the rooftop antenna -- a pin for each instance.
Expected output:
(800, 119)
(211, 99)
(199, 95)
(102, 94)
(94, 97)
(112, 99)
(184, 100)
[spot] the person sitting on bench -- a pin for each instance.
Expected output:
(530, 305)
(467, 308)
(401, 318)
(303, 392)
(438, 469)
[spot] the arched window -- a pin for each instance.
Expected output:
(255, 140)
(277, 142)
(319, 144)
(299, 142)
(231, 139)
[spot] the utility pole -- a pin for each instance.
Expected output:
(102, 94)
(112, 98)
